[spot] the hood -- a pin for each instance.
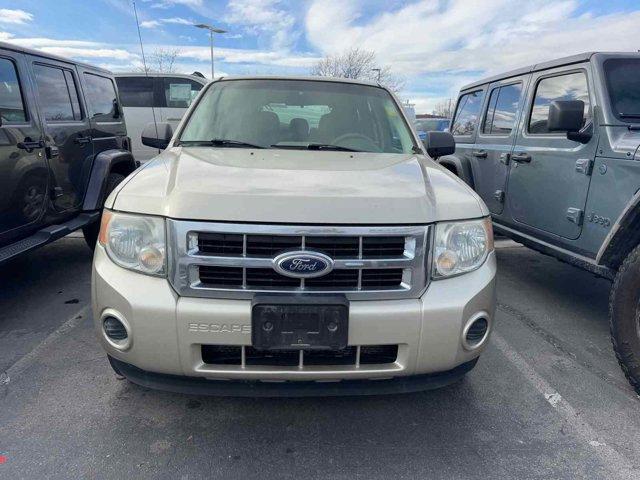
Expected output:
(294, 186)
(620, 141)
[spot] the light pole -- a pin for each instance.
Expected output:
(212, 30)
(379, 70)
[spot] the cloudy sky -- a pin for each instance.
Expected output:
(435, 45)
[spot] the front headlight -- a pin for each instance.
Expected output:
(135, 242)
(461, 247)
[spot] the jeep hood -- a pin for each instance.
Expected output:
(295, 186)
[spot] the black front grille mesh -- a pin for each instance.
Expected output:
(269, 279)
(268, 246)
(232, 355)
(221, 277)
(220, 244)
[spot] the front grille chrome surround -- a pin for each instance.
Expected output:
(185, 259)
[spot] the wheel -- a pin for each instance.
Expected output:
(624, 317)
(92, 230)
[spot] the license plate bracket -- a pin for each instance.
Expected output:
(296, 322)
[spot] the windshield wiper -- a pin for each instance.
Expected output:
(221, 142)
(629, 115)
(317, 146)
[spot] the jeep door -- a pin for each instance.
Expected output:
(496, 137)
(67, 130)
(108, 129)
(465, 124)
(549, 174)
(23, 169)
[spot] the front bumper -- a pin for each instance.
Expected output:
(166, 332)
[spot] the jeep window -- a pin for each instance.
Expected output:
(179, 92)
(58, 94)
(101, 95)
(467, 113)
(11, 105)
(299, 114)
(623, 84)
(563, 87)
(136, 91)
(503, 108)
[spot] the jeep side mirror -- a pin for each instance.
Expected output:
(115, 109)
(566, 116)
(157, 138)
(439, 144)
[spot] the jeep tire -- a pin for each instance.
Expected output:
(92, 230)
(624, 317)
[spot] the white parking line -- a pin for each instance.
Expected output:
(614, 461)
(27, 360)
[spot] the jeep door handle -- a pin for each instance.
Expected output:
(52, 151)
(521, 157)
(82, 140)
(29, 145)
(479, 153)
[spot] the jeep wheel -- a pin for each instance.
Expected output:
(624, 317)
(92, 230)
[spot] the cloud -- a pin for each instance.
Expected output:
(161, 21)
(164, 4)
(126, 57)
(461, 40)
(19, 17)
(464, 36)
(264, 18)
(150, 24)
(177, 21)
(71, 48)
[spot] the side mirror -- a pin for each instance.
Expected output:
(159, 138)
(566, 116)
(116, 109)
(439, 144)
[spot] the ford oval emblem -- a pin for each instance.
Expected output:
(303, 264)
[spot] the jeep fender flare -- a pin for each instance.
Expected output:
(109, 161)
(460, 166)
(623, 237)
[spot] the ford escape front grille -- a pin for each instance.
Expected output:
(222, 260)
(272, 245)
(247, 356)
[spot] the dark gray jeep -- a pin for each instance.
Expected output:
(63, 148)
(553, 150)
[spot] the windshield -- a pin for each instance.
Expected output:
(300, 114)
(623, 83)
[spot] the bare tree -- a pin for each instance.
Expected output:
(161, 60)
(444, 108)
(358, 64)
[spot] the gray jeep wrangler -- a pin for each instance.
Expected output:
(553, 150)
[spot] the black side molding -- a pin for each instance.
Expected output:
(119, 161)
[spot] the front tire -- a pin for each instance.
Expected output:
(92, 230)
(624, 317)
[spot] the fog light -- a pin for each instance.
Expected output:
(114, 329)
(476, 332)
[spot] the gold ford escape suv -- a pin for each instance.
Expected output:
(294, 238)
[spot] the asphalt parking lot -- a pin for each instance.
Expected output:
(547, 400)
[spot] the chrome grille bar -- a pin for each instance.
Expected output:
(186, 258)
